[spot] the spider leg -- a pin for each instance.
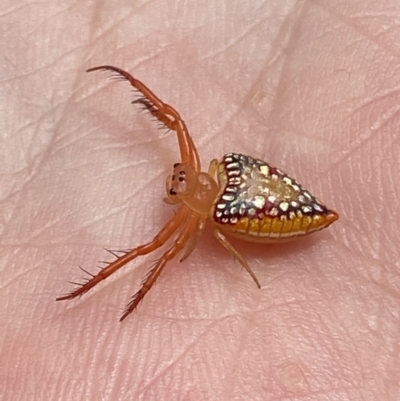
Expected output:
(213, 167)
(227, 245)
(201, 223)
(165, 233)
(148, 281)
(177, 125)
(164, 113)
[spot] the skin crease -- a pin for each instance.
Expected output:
(310, 87)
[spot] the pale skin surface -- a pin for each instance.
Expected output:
(307, 86)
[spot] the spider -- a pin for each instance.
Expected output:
(239, 195)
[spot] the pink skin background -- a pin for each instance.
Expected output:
(309, 86)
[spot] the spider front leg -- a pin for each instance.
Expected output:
(165, 233)
(164, 113)
(182, 239)
(173, 121)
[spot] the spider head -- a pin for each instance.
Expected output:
(182, 183)
(196, 189)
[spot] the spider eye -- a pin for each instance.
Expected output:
(172, 192)
(177, 165)
(181, 179)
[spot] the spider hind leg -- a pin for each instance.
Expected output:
(228, 246)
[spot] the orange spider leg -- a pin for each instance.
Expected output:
(164, 113)
(212, 169)
(180, 128)
(180, 242)
(227, 245)
(201, 223)
(159, 240)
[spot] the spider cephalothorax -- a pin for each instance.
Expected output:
(239, 195)
(197, 190)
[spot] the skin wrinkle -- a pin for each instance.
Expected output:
(213, 76)
(200, 335)
(240, 349)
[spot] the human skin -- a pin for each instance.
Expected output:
(308, 86)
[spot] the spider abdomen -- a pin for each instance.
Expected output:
(259, 202)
